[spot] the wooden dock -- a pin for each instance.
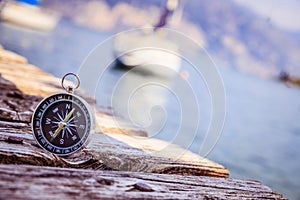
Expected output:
(120, 162)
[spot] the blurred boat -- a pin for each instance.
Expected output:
(288, 79)
(149, 48)
(28, 14)
(149, 51)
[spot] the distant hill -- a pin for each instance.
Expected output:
(250, 43)
(235, 36)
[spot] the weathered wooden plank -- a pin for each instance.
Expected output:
(17, 182)
(8, 56)
(120, 148)
(103, 152)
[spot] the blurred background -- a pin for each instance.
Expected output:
(255, 45)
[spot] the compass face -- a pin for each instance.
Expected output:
(61, 123)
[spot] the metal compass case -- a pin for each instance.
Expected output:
(62, 122)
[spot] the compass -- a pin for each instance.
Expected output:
(62, 122)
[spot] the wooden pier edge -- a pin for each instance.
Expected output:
(31, 182)
(112, 148)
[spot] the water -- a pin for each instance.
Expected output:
(261, 136)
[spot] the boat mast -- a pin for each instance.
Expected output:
(170, 6)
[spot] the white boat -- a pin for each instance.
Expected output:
(149, 49)
(28, 16)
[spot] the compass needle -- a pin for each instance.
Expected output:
(69, 115)
(62, 125)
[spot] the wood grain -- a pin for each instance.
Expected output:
(17, 182)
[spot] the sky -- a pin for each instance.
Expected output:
(283, 13)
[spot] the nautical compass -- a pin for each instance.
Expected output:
(62, 122)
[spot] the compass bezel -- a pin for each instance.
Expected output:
(39, 113)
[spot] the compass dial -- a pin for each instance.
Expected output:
(61, 123)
